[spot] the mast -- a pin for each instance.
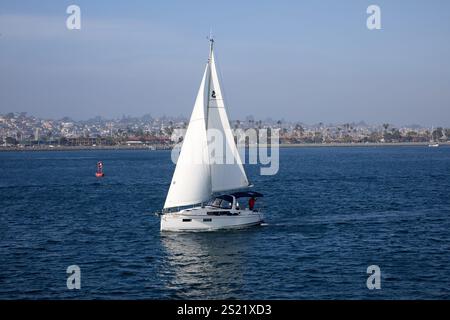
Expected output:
(211, 45)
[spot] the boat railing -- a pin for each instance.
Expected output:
(159, 213)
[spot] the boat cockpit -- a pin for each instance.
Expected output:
(231, 202)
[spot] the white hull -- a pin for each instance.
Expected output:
(434, 145)
(209, 219)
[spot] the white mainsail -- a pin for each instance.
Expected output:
(198, 172)
(191, 181)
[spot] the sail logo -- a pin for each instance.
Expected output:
(213, 94)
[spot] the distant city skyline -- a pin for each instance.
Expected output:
(312, 61)
(21, 129)
(247, 118)
(241, 117)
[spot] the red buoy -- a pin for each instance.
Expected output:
(99, 172)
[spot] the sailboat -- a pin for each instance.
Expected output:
(432, 143)
(206, 194)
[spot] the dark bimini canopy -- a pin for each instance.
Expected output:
(247, 194)
(225, 197)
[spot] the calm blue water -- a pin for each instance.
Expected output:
(331, 212)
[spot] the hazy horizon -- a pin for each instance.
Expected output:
(242, 118)
(310, 62)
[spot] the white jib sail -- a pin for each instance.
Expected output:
(191, 182)
(227, 172)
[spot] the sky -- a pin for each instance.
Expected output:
(309, 61)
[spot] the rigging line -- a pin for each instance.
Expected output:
(196, 119)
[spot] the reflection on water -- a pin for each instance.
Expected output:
(209, 265)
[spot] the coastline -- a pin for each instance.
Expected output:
(362, 144)
(79, 148)
(154, 148)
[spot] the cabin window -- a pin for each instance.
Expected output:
(226, 204)
(207, 220)
(187, 220)
(221, 203)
